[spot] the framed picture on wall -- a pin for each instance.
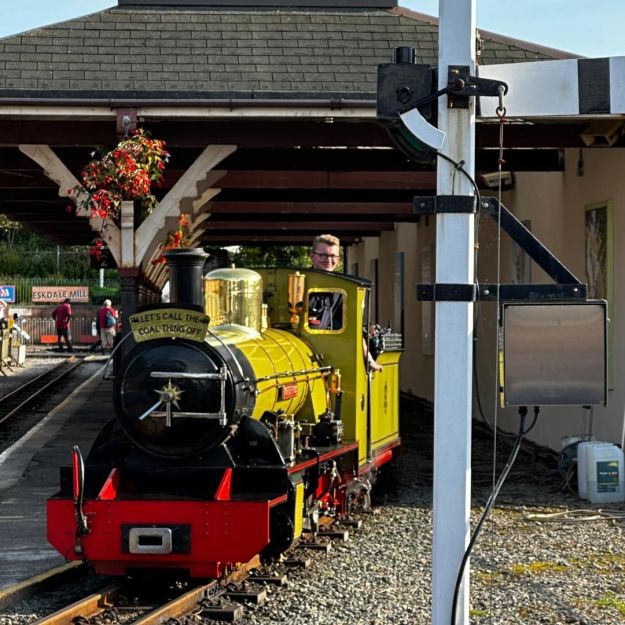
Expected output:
(598, 235)
(599, 261)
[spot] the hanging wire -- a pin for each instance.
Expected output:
(501, 114)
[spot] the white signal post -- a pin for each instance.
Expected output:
(454, 326)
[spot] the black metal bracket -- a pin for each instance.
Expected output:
(447, 292)
(567, 286)
(433, 204)
(462, 86)
(527, 242)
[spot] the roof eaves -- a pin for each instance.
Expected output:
(150, 98)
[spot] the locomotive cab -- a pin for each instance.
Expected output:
(334, 321)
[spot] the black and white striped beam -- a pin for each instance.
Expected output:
(591, 88)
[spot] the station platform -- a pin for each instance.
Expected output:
(29, 474)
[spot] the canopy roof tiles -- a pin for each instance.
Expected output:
(210, 52)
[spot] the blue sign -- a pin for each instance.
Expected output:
(7, 293)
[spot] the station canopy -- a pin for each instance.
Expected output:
(292, 87)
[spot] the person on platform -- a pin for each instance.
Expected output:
(98, 334)
(325, 255)
(62, 315)
(107, 320)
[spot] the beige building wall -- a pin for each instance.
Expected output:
(554, 204)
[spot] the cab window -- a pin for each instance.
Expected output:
(325, 310)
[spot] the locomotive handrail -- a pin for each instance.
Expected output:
(171, 394)
(189, 415)
(149, 411)
(182, 375)
(288, 374)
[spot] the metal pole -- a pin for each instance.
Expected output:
(454, 327)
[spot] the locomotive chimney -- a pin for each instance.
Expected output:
(186, 285)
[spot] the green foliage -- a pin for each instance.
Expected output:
(69, 262)
(8, 229)
(27, 260)
(538, 566)
(23, 254)
(612, 601)
(285, 256)
(98, 294)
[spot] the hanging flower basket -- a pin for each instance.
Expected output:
(127, 172)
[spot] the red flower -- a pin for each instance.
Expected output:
(125, 173)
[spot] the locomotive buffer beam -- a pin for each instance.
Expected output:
(567, 286)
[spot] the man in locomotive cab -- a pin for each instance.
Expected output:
(325, 310)
(326, 252)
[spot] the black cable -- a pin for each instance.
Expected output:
(459, 167)
(487, 508)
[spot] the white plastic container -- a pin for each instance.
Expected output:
(600, 472)
(582, 472)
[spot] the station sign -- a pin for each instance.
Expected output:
(56, 294)
(7, 293)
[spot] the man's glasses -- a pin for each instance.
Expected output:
(327, 256)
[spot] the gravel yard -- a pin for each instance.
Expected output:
(544, 557)
(529, 567)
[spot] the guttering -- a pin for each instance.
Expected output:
(331, 108)
(332, 103)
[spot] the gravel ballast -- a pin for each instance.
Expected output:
(545, 557)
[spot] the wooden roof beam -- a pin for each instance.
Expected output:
(394, 210)
(71, 188)
(306, 226)
(223, 240)
(153, 230)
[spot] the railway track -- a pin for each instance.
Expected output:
(22, 397)
(221, 600)
(218, 600)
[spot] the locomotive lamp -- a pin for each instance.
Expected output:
(296, 297)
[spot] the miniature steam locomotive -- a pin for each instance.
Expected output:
(240, 420)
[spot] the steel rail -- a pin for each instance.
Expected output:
(32, 389)
(178, 606)
(87, 607)
(91, 606)
(209, 600)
